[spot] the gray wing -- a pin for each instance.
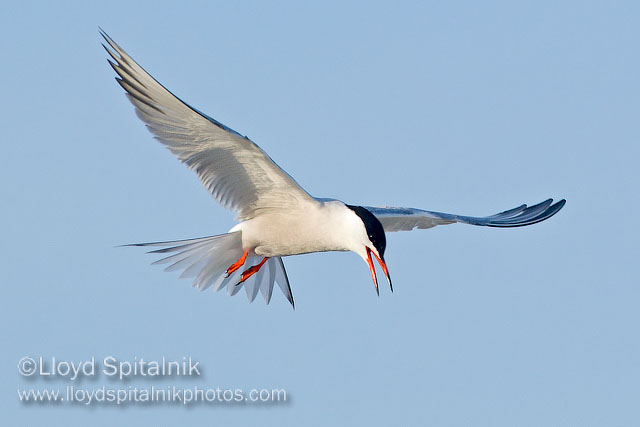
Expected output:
(405, 219)
(237, 173)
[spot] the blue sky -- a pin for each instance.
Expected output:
(466, 108)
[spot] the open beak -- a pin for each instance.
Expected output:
(373, 269)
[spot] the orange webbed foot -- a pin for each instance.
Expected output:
(251, 271)
(236, 265)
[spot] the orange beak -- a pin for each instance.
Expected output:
(373, 269)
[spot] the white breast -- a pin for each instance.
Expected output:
(310, 227)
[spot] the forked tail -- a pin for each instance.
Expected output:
(207, 259)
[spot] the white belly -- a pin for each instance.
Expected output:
(316, 227)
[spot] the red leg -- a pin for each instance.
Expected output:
(252, 270)
(236, 265)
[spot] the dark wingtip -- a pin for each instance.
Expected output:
(531, 215)
(104, 34)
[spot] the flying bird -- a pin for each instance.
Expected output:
(277, 217)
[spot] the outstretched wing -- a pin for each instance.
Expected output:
(237, 173)
(405, 219)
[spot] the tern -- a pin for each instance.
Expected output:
(277, 217)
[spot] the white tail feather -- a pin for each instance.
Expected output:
(270, 272)
(208, 258)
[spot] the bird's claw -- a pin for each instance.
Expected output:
(251, 271)
(236, 265)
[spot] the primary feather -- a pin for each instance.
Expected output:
(406, 219)
(237, 173)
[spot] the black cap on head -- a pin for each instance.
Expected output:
(374, 228)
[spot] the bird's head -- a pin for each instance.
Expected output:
(374, 242)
